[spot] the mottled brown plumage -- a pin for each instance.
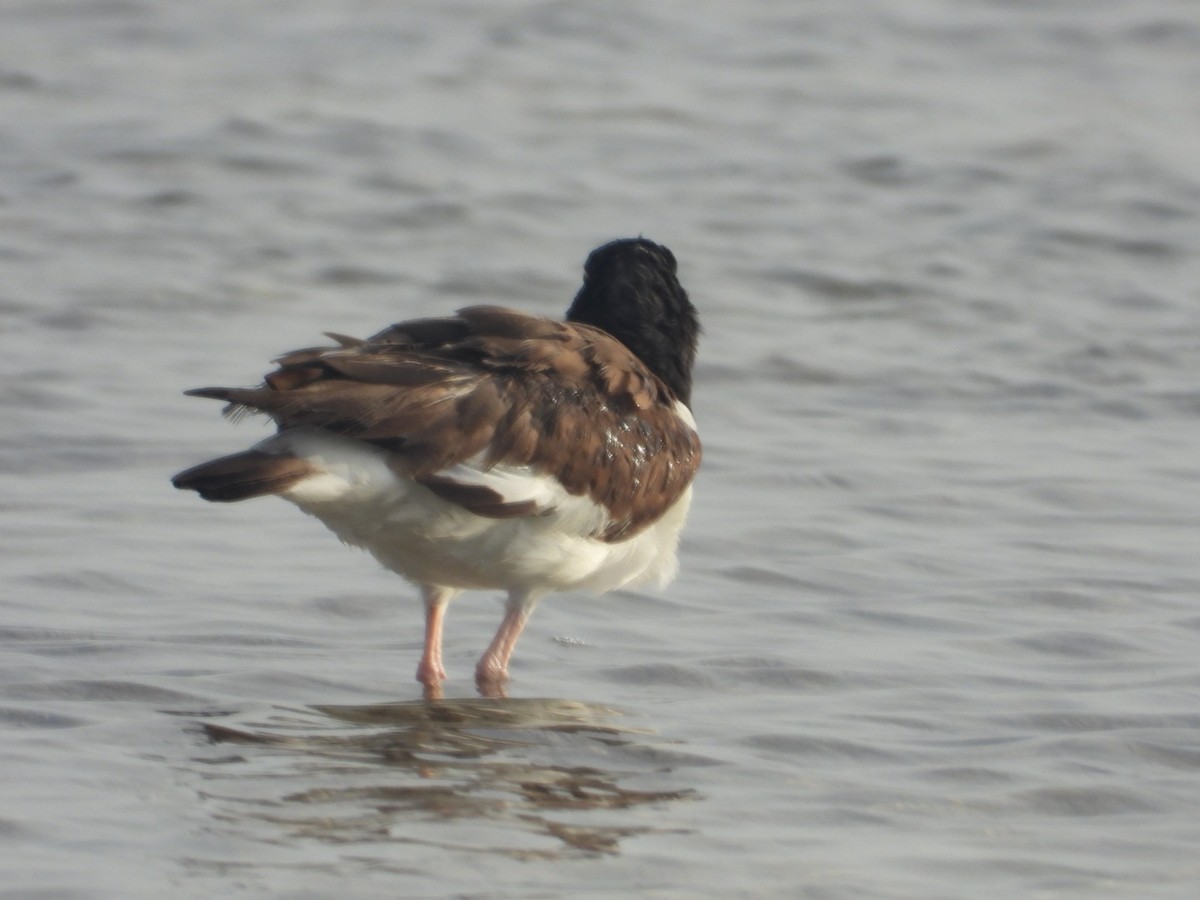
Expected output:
(563, 398)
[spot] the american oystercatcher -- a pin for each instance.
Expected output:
(492, 449)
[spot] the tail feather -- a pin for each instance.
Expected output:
(212, 393)
(241, 476)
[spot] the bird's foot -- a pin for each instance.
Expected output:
(491, 678)
(430, 672)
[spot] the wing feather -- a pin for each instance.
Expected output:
(492, 388)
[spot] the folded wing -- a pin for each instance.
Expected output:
(497, 411)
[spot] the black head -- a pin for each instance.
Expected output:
(630, 290)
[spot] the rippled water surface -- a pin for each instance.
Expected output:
(936, 630)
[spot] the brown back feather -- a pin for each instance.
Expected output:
(564, 398)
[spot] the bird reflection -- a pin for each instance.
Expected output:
(433, 772)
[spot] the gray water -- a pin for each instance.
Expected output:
(936, 629)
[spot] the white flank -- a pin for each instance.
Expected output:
(428, 540)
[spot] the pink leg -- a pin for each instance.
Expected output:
(492, 669)
(430, 671)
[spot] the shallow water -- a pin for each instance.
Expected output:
(935, 630)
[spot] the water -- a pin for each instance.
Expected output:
(935, 632)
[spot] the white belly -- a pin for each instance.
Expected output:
(432, 541)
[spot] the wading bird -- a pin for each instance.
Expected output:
(492, 449)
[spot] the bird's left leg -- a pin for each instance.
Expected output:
(430, 671)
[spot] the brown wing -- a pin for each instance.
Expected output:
(564, 399)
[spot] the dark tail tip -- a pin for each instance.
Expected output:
(241, 476)
(213, 393)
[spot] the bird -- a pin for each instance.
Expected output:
(492, 449)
